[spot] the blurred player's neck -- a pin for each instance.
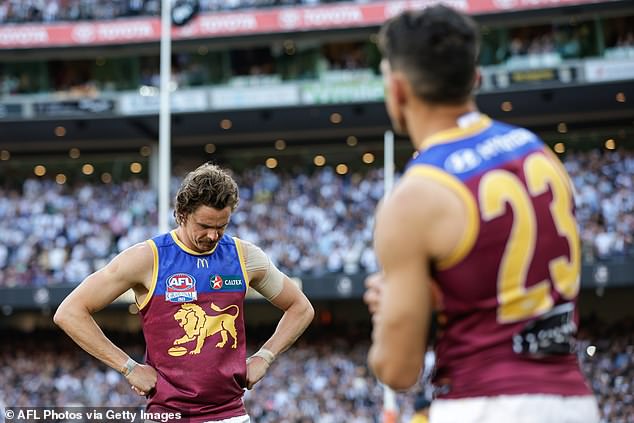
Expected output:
(425, 120)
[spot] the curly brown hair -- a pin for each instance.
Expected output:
(207, 185)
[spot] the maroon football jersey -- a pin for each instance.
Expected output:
(509, 289)
(193, 324)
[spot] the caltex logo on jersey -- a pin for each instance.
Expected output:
(226, 283)
(180, 288)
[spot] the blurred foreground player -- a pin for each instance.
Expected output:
(190, 285)
(486, 210)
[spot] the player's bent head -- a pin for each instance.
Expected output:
(207, 185)
(436, 49)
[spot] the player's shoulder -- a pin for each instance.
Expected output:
(428, 188)
(248, 249)
(238, 242)
(139, 250)
(231, 241)
(134, 260)
(431, 206)
(415, 200)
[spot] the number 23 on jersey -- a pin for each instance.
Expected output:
(498, 188)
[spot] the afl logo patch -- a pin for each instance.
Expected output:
(180, 288)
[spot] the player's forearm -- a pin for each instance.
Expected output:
(82, 328)
(398, 343)
(293, 323)
(392, 367)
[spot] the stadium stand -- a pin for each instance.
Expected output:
(59, 92)
(610, 370)
(326, 378)
(21, 11)
(515, 48)
(605, 202)
(70, 231)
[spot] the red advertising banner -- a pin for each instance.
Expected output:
(248, 22)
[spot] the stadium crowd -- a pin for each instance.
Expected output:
(309, 224)
(610, 371)
(605, 202)
(27, 11)
(324, 379)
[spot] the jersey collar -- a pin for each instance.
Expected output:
(189, 250)
(467, 125)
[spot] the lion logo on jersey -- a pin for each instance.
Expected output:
(198, 325)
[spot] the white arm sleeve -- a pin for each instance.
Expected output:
(256, 260)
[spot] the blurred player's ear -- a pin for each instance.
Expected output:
(402, 94)
(399, 88)
(477, 79)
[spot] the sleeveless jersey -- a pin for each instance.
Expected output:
(193, 324)
(509, 289)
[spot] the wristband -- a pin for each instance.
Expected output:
(265, 355)
(128, 367)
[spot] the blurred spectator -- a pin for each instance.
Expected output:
(619, 37)
(347, 56)
(626, 40)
